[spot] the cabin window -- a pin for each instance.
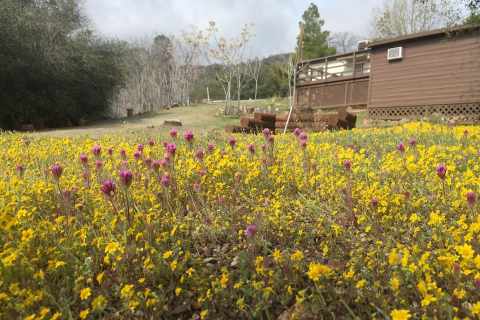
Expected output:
(395, 53)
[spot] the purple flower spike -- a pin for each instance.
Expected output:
(126, 177)
(108, 188)
(347, 164)
(251, 148)
(266, 133)
(401, 147)
(188, 135)
(471, 198)
(303, 136)
(96, 150)
(57, 171)
(232, 142)
(20, 169)
(83, 159)
(200, 154)
(442, 171)
(210, 147)
(297, 132)
(140, 147)
(99, 164)
(165, 180)
(137, 155)
(171, 149)
(374, 202)
(173, 133)
(412, 142)
(251, 230)
(156, 165)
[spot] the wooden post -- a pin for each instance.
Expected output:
(326, 69)
(354, 63)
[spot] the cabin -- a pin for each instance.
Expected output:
(412, 76)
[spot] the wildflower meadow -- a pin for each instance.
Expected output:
(364, 224)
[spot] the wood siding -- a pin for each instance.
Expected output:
(433, 71)
(352, 92)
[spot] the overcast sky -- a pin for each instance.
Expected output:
(275, 21)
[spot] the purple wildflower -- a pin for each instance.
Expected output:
(96, 150)
(232, 142)
(173, 133)
(137, 155)
(188, 135)
(165, 180)
(108, 188)
(123, 154)
(99, 164)
(303, 136)
(401, 147)
(171, 149)
(251, 230)
(471, 198)
(126, 177)
(200, 154)
(20, 169)
(210, 147)
(251, 148)
(266, 133)
(83, 159)
(57, 171)
(347, 164)
(442, 171)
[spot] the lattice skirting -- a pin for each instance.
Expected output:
(465, 111)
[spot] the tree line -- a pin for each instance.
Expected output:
(56, 71)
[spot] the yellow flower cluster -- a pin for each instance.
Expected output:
(368, 223)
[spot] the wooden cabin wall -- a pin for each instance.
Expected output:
(433, 71)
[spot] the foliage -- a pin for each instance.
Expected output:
(314, 43)
(53, 70)
(273, 81)
(351, 224)
(401, 17)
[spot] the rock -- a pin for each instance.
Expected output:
(173, 123)
(27, 127)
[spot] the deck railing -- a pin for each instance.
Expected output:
(334, 68)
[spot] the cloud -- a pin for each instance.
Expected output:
(275, 21)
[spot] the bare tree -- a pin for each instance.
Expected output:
(160, 74)
(344, 41)
(254, 69)
(400, 17)
(229, 54)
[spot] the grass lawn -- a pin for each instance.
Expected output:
(201, 117)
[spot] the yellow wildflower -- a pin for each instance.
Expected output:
(85, 293)
(317, 270)
(400, 314)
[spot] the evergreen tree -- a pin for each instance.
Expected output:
(315, 40)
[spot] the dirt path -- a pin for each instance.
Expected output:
(200, 117)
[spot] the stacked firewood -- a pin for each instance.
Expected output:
(304, 118)
(317, 121)
(255, 124)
